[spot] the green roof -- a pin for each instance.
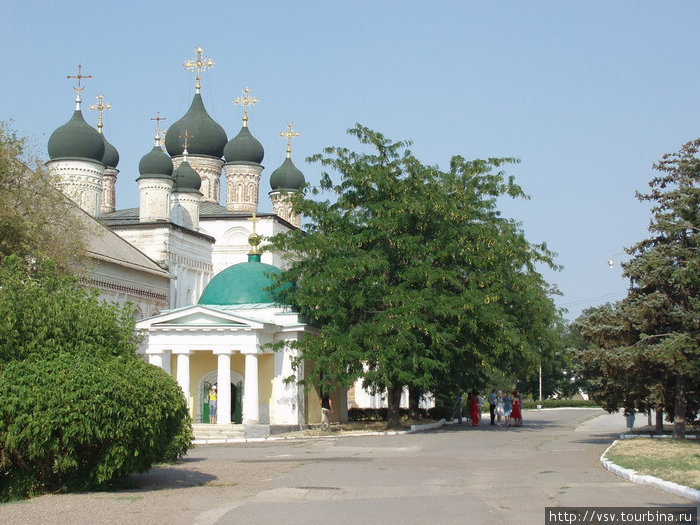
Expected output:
(76, 139)
(207, 137)
(242, 283)
(244, 147)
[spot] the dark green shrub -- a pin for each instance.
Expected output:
(77, 423)
(78, 407)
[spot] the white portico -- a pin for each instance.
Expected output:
(228, 345)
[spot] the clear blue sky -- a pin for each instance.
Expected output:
(587, 94)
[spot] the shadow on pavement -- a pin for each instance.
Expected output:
(161, 478)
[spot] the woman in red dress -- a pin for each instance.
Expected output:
(475, 409)
(515, 414)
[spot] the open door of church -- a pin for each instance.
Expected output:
(206, 386)
(237, 403)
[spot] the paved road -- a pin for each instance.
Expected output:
(455, 475)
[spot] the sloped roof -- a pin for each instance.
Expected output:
(102, 244)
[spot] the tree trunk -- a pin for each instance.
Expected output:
(414, 395)
(393, 418)
(679, 409)
(659, 428)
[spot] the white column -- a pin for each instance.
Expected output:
(156, 360)
(183, 374)
(223, 383)
(251, 409)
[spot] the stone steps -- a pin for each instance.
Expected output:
(206, 432)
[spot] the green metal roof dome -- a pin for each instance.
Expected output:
(287, 177)
(242, 283)
(156, 164)
(207, 137)
(244, 147)
(76, 139)
(187, 180)
(111, 156)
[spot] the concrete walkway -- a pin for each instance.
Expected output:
(453, 475)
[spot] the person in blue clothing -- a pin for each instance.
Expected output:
(492, 405)
(507, 407)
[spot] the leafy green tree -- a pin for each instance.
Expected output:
(647, 346)
(412, 273)
(560, 375)
(36, 220)
(78, 407)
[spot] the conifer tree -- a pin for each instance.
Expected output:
(646, 350)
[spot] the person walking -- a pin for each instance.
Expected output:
(457, 409)
(326, 411)
(492, 405)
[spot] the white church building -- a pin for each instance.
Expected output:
(189, 264)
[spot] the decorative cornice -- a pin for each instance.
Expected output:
(131, 290)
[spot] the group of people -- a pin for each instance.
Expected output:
(505, 410)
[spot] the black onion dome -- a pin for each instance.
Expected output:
(245, 148)
(206, 136)
(76, 139)
(287, 177)
(155, 165)
(111, 156)
(187, 180)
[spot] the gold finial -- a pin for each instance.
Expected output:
(79, 76)
(158, 118)
(289, 134)
(200, 64)
(186, 136)
(254, 239)
(245, 100)
(100, 107)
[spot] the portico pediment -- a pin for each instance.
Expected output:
(198, 316)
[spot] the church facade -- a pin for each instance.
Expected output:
(189, 263)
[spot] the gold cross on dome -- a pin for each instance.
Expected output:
(200, 64)
(100, 107)
(158, 119)
(254, 219)
(254, 239)
(289, 134)
(79, 76)
(186, 136)
(245, 101)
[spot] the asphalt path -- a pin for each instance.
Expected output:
(454, 475)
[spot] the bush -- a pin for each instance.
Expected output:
(78, 422)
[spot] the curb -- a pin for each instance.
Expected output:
(414, 428)
(631, 475)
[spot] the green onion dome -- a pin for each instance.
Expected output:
(242, 283)
(287, 177)
(207, 137)
(111, 156)
(187, 180)
(244, 148)
(76, 139)
(156, 164)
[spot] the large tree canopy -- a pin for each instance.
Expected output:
(646, 350)
(412, 273)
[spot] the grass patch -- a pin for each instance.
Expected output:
(668, 459)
